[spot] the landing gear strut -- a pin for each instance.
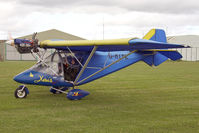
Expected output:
(58, 90)
(21, 92)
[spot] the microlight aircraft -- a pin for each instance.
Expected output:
(74, 63)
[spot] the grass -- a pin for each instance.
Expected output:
(137, 99)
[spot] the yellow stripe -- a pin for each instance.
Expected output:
(86, 42)
(158, 50)
(149, 35)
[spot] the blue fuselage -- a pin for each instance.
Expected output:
(100, 65)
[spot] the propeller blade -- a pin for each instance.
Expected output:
(10, 40)
(10, 36)
(34, 36)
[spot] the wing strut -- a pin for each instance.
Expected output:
(85, 65)
(74, 56)
(106, 67)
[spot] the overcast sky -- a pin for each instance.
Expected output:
(85, 18)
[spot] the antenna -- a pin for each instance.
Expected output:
(167, 30)
(103, 28)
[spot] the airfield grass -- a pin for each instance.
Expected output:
(137, 99)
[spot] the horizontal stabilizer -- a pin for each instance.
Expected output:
(173, 55)
(148, 44)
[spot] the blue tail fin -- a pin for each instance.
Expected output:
(156, 35)
(159, 56)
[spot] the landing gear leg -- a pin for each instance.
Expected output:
(21, 92)
(58, 90)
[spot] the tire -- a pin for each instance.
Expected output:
(20, 94)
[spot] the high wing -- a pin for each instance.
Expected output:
(128, 44)
(154, 39)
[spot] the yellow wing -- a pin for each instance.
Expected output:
(50, 43)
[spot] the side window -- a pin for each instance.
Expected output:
(56, 64)
(52, 65)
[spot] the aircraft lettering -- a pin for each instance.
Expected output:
(76, 94)
(116, 56)
(42, 79)
(31, 75)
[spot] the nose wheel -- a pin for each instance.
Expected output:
(21, 92)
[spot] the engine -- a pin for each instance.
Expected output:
(24, 46)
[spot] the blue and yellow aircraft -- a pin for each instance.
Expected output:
(75, 63)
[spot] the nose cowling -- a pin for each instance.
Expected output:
(16, 78)
(37, 78)
(26, 77)
(21, 78)
(30, 77)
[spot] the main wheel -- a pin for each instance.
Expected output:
(20, 92)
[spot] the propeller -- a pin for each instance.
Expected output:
(35, 42)
(10, 40)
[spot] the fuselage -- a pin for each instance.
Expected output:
(52, 71)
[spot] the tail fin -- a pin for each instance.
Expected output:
(156, 35)
(159, 56)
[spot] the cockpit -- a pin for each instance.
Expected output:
(61, 63)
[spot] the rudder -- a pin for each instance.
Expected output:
(156, 35)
